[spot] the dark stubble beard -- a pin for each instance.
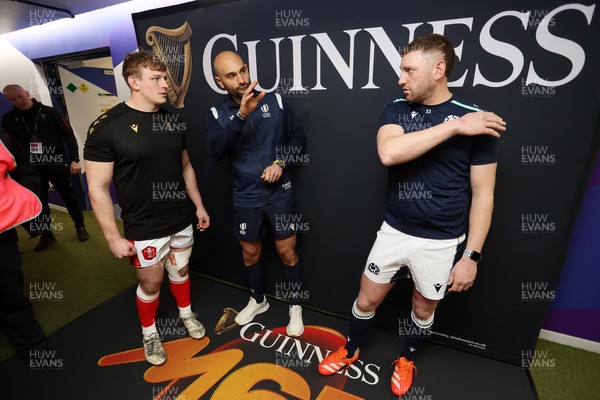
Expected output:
(236, 93)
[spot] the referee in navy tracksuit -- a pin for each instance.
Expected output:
(256, 130)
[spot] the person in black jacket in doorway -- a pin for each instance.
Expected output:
(45, 132)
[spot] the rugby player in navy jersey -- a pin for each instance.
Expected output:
(441, 154)
(140, 147)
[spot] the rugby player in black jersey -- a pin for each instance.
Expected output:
(141, 148)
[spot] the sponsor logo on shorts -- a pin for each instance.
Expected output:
(243, 228)
(437, 287)
(149, 253)
(373, 268)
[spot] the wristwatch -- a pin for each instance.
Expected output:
(473, 255)
(281, 164)
(240, 116)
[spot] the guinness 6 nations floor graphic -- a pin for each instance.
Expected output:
(261, 363)
(99, 356)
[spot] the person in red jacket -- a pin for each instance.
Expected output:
(17, 205)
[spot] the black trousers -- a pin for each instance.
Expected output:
(61, 179)
(16, 312)
(40, 224)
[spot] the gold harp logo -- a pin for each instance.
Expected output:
(172, 46)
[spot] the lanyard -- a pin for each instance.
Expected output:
(35, 124)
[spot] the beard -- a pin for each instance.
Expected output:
(421, 92)
(237, 92)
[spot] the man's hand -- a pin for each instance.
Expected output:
(75, 167)
(481, 123)
(462, 275)
(203, 219)
(121, 248)
(249, 101)
(272, 173)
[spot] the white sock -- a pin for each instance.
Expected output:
(148, 330)
(185, 310)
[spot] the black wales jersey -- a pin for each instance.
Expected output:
(430, 196)
(146, 150)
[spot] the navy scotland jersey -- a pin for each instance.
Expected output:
(430, 196)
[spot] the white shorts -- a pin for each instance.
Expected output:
(153, 251)
(429, 261)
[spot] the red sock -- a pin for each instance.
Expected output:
(147, 306)
(181, 292)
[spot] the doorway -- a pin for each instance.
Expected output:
(81, 87)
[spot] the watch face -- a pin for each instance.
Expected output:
(473, 255)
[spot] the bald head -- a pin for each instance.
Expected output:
(231, 74)
(12, 87)
(18, 97)
(226, 60)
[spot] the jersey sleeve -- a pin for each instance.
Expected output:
(184, 132)
(390, 114)
(221, 133)
(99, 142)
(66, 131)
(485, 150)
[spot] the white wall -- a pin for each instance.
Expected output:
(84, 107)
(108, 27)
(16, 68)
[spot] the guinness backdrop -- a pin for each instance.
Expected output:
(535, 63)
